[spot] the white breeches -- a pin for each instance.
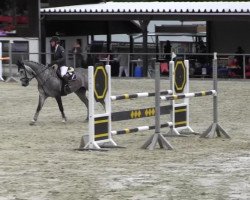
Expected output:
(63, 70)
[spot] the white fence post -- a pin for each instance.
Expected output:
(1, 63)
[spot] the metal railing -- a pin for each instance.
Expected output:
(198, 62)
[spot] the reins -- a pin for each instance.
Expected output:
(36, 75)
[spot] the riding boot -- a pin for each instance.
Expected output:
(66, 82)
(65, 79)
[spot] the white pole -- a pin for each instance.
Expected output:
(108, 106)
(1, 63)
(10, 78)
(91, 135)
(10, 55)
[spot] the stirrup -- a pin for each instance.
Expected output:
(73, 77)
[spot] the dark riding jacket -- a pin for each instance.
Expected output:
(59, 57)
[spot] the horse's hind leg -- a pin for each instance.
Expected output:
(81, 93)
(39, 107)
(60, 105)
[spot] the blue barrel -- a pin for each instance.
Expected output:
(138, 71)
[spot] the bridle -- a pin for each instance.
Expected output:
(25, 78)
(33, 74)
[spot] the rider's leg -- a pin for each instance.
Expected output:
(63, 70)
(65, 77)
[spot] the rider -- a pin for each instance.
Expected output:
(59, 57)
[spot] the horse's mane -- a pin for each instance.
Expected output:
(36, 63)
(39, 67)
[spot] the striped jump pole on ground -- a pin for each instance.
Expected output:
(139, 128)
(189, 95)
(138, 95)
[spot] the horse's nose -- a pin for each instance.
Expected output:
(25, 84)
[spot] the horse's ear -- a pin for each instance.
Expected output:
(19, 64)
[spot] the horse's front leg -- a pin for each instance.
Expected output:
(59, 102)
(39, 107)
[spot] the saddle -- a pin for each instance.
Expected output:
(67, 80)
(70, 74)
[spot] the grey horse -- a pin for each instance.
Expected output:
(50, 85)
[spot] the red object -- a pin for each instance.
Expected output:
(9, 28)
(248, 68)
(247, 71)
(232, 74)
(19, 19)
(22, 20)
(164, 68)
(6, 19)
(248, 74)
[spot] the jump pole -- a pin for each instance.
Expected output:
(157, 137)
(189, 95)
(138, 95)
(215, 128)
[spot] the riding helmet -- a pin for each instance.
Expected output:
(56, 39)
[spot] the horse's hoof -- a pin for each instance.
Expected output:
(64, 120)
(32, 123)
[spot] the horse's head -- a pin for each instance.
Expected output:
(25, 72)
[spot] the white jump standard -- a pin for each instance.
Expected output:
(99, 124)
(179, 84)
